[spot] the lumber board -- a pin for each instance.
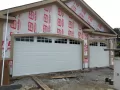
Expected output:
(64, 76)
(40, 83)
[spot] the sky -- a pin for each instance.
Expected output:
(107, 9)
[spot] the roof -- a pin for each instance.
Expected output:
(27, 6)
(94, 13)
(24, 8)
(32, 6)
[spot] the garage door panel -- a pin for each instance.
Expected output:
(38, 67)
(36, 57)
(98, 57)
(46, 60)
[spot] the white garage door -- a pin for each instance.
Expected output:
(98, 57)
(34, 55)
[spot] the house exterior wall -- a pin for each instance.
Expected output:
(112, 45)
(52, 20)
(81, 11)
(1, 35)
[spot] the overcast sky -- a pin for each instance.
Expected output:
(107, 9)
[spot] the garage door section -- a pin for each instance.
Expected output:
(98, 57)
(35, 55)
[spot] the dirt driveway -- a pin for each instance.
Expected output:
(93, 80)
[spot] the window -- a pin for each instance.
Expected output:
(17, 39)
(93, 44)
(74, 42)
(31, 39)
(44, 40)
(63, 41)
(25, 39)
(102, 44)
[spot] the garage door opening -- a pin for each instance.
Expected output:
(98, 57)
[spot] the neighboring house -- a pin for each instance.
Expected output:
(55, 36)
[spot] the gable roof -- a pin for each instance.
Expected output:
(27, 7)
(32, 6)
(94, 13)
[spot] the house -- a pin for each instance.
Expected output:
(54, 36)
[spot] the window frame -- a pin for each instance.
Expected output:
(44, 40)
(102, 44)
(93, 44)
(25, 38)
(75, 42)
(61, 41)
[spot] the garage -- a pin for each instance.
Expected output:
(98, 57)
(36, 55)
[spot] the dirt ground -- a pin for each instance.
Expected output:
(94, 80)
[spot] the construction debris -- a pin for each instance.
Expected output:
(27, 83)
(62, 76)
(10, 87)
(40, 83)
(94, 80)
